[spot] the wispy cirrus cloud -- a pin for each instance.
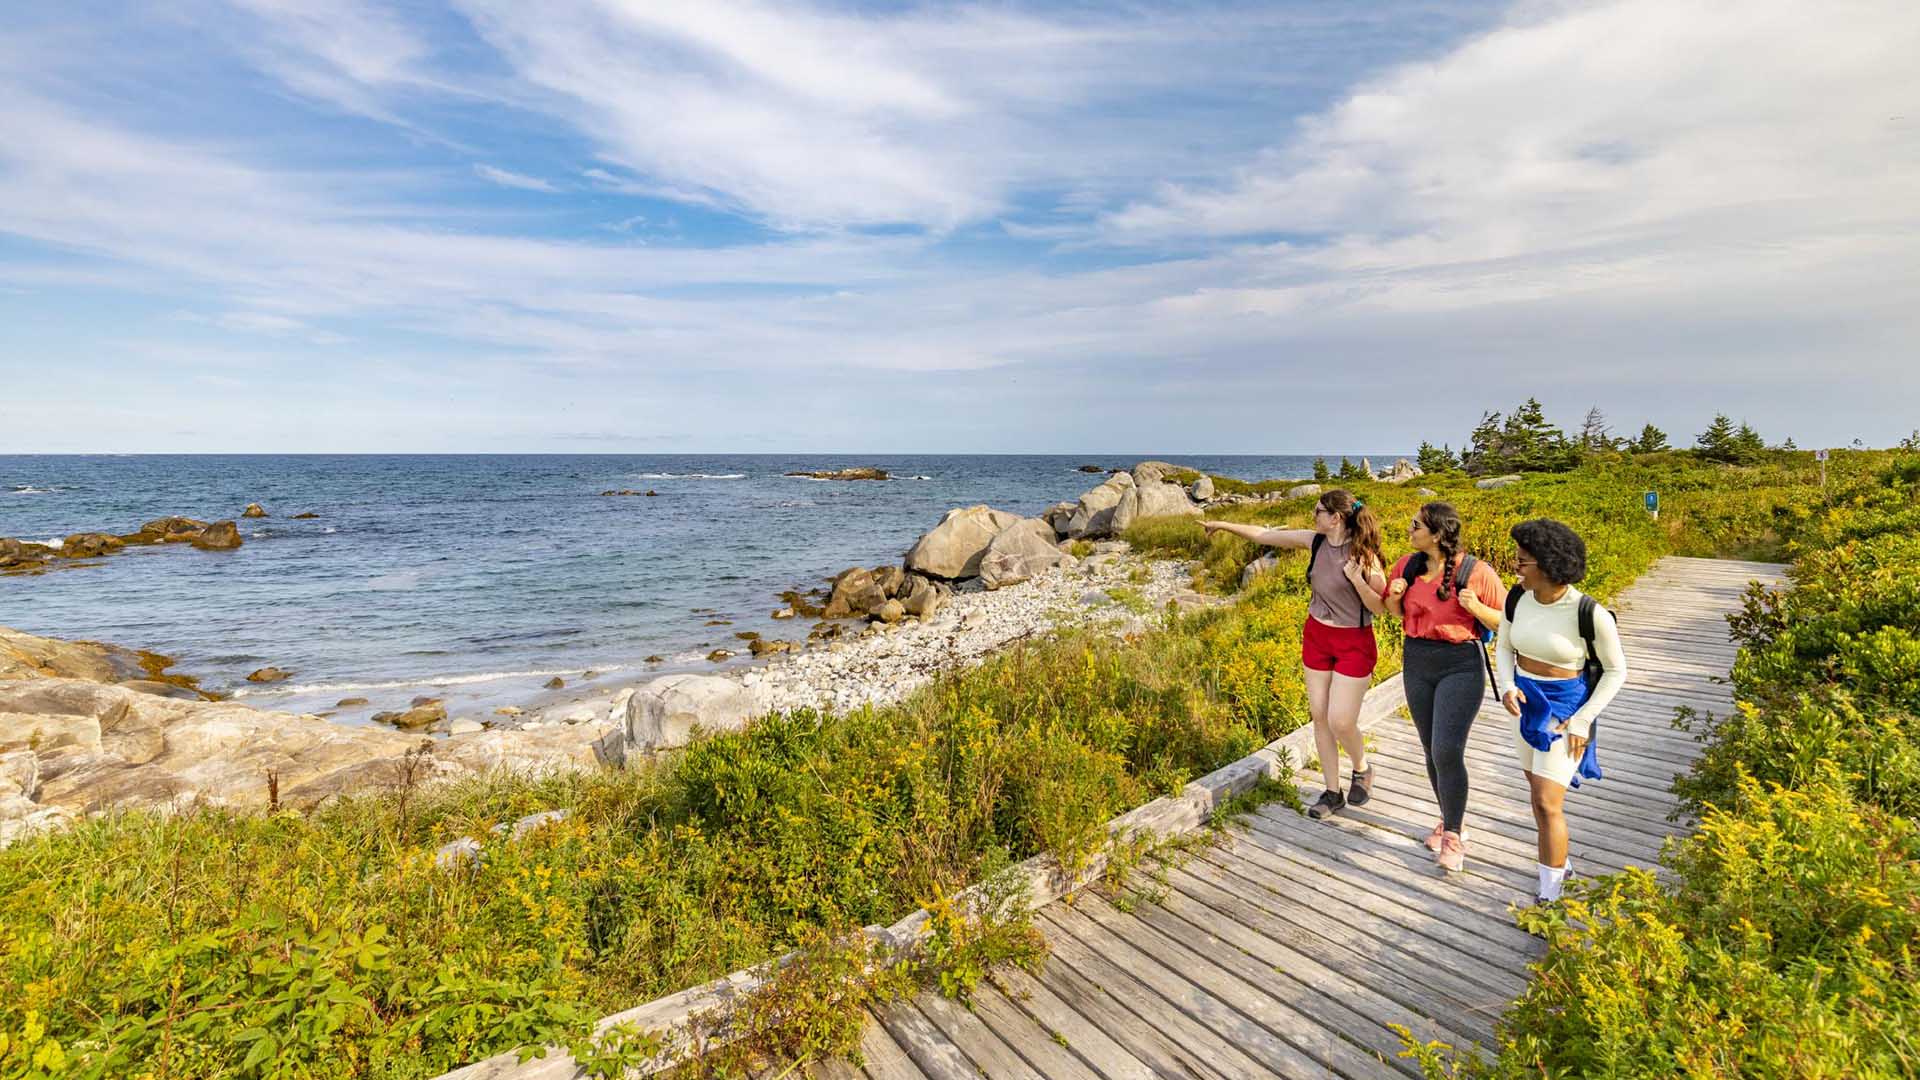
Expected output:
(506, 178)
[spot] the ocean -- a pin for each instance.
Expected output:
(477, 578)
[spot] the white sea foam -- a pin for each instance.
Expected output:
(916, 477)
(331, 529)
(414, 684)
(688, 476)
(29, 489)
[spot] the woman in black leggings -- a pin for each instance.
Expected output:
(1443, 598)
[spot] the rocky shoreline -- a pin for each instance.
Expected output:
(86, 728)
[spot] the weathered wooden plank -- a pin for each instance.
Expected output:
(1255, 1052)
(1105, 1013)
(1421, 911)
(934, 1053)
(1485, 892)
(1357, 1013)
(1397, 982)
(1275, 1013)
(1363, 931)
(882, 1057)
(993, 1052)
(1067, 1032)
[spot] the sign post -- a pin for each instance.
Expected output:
(1653, 504)
(1821, 457)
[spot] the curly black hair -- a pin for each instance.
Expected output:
(1559, 551)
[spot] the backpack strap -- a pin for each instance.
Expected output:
(1462, 573)
(1313, 554)
(1513, 600)
(1588, 606)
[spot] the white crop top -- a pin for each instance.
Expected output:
(1550, 633)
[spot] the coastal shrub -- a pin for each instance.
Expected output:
(1782, 941)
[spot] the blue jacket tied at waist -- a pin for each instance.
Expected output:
(1548, 702)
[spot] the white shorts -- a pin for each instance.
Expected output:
(1554, 764)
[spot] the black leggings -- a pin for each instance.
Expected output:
(1444, 681)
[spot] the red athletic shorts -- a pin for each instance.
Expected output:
(1348, 650)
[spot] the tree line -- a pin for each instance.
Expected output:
(1524, 440)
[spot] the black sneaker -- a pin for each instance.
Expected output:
(1360, 789)
(1331, 803)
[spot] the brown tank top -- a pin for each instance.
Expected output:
(1334, 601)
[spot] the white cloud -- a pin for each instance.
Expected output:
(512, 179)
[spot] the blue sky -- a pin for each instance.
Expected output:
(639, 225)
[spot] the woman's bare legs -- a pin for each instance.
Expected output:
(1333, 700)
(1547, 798)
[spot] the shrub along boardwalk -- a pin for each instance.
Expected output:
(1287, 950)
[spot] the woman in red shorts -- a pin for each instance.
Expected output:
(1347, 577)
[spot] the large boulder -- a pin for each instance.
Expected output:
(1265, 564)
(167, 530)
(90, 545)
(954, 548)
(1152, 472)
(1202, 489)
(1402, 471)
(1301, 491)
(664, 713)
(1151, 499)
(219, 536)
(923, 597)
(1492, 483)
(1021, 551)
(855, 592)
(254, 510)
(22, 554)
(24, 656)
(1093, 515)
(1058, 515)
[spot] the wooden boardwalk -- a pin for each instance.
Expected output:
(1286, 950)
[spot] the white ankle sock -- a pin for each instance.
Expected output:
(1552, 878)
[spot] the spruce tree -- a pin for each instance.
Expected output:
(1320, 472)
(1748, 446)
(1350, 470)
(1436, 459)
(1651, 441)
(1717, 442)
(1482, 452)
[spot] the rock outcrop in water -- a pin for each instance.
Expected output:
(863, 473)
(22, 556)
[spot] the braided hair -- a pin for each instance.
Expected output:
(1363, 528)
(1443, 523)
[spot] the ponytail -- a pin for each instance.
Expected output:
(1363, 527)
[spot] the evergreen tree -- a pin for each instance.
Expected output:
(1593, 431)
(1482, 452)
(1717, 442)
(1748, 446)
(1436, 459)
(1788, 445)
(1350, 470)
(1320, 473)
(1651, 441)
(1911, 442)
(1528, 443)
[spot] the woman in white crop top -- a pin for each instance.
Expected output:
(1541, 654)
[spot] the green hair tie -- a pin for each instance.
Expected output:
(1358, 505)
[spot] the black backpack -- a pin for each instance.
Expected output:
(1417, 565)
(1366, 617)
(1590, 671)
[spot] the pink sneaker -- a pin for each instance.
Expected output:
(1433, 838)
(1453, 853)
